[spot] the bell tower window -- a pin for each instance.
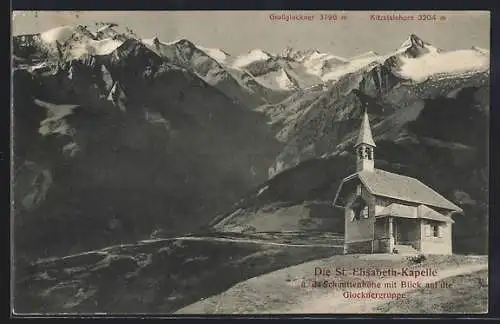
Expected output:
(361, 152)
(364, 147)
(370, 154)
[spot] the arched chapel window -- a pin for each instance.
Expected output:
(364, 212)
(359, 210)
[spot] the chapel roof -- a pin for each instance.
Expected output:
(391, 185)
(405, 211)
(429, 213)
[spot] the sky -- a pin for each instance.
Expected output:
(238, 32)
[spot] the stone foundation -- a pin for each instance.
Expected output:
(382, 246)
(358, 247)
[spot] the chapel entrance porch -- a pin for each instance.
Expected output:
(397, 233)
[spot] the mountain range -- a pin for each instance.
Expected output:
(118, 137)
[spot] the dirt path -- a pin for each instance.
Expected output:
(334, 302)
(251, 241)
(185, 238)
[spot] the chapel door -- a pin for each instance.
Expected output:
(402, 229)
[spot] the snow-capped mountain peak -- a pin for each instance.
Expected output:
(77, 41)
(414, 47)
(413, 40)
(419, 60)
(252, 56)
(152, 41)
(298, 55)
(59, 34)
(415, 59)
(105, 27)
(317, 56)
(216, 53)
(184, 42)
(259, 52)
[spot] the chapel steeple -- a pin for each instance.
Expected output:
(365, 146)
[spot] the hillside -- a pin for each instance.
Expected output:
(155, 276)
(182, 276)
(111, 147)
(291, 290)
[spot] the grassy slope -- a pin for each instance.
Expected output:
(468, 294)
(151, 277)
(281, 291)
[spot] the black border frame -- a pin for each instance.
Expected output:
(494, 237)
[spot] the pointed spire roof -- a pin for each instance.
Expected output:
(365, 132)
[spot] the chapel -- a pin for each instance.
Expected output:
(387, 212)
